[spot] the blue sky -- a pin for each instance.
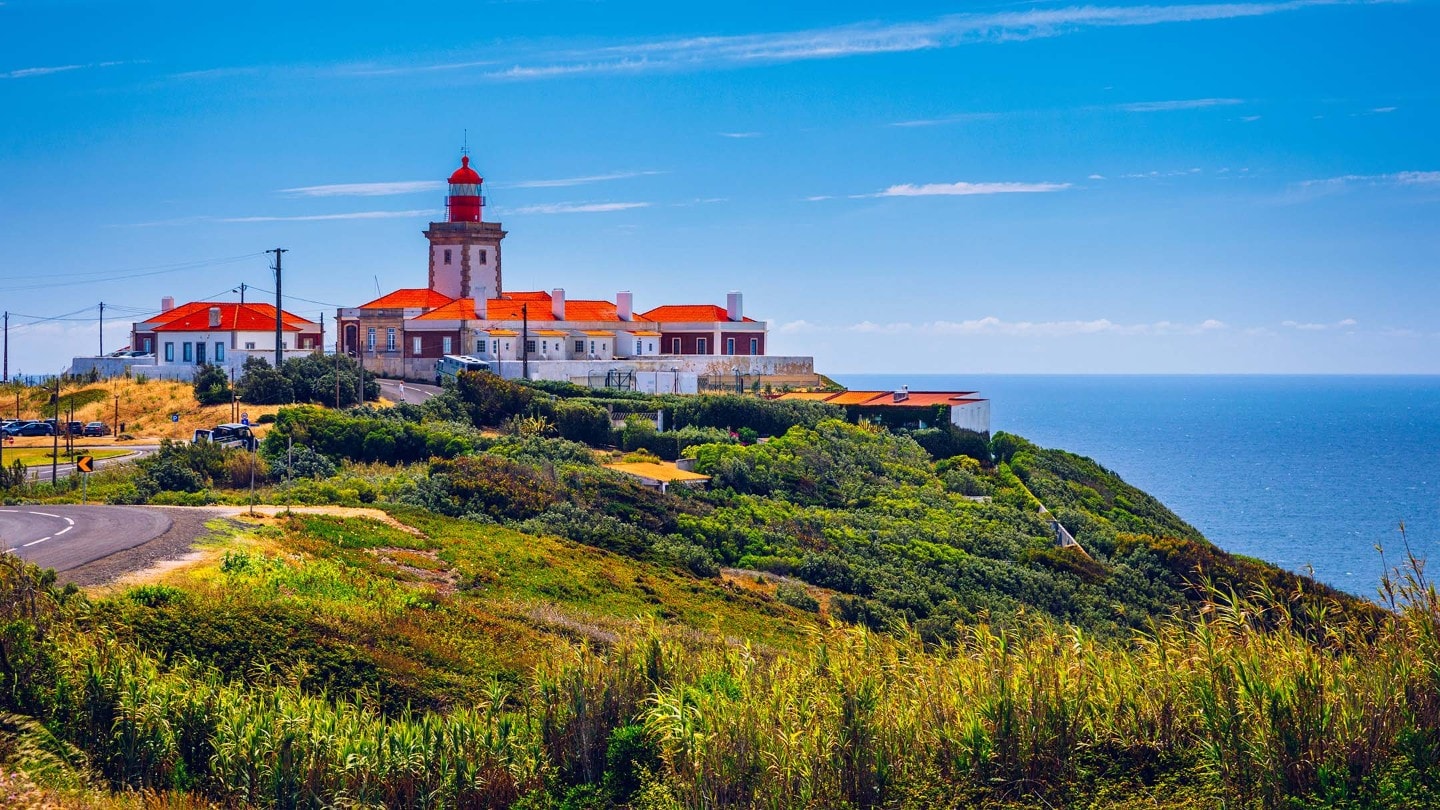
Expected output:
(1203, 187)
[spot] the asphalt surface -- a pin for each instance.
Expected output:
(41, 471)
(66, 537)
(413, 393)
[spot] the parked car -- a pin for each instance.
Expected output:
(97, 429)
(72, 428)
(35, 429)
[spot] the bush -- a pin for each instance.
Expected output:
(262, 384)
(797, 597)
(489, 399)
(212, 386)
(240, 467)
(685, 554)
(486, 485)
(582, 422)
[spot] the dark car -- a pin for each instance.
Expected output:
(72, 428)
(97, 429)
(34, 429)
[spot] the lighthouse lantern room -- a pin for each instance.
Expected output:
(465, 203)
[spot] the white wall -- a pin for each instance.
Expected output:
(484, 276)
(972, 416)
(447, 276)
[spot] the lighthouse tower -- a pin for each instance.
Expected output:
(464, 249)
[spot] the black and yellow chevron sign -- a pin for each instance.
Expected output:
(85, 464)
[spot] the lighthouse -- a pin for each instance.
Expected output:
(465, 249)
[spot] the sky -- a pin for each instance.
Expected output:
(1225, 187)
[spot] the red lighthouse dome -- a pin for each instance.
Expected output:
(465, 202)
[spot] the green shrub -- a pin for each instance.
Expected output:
(211, 385)
(797, 597)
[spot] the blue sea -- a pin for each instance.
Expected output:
(1307, 472)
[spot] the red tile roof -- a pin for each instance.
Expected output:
(423, 298)
(460, 309)
(916, 399)
(690, 313)
(538, 304)
(854, 397)
(242, 317)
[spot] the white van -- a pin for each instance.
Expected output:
(452, 364)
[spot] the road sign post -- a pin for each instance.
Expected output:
(84, 465)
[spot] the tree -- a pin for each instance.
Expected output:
(262, 384)
(212, 385)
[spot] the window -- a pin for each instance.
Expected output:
(484, 257)
(638, 348)
(250, 344)
(592, 347)
(674, 345)
(495, 347)
(445, 345)
(529, 346)
(369, 339)
(415, 345)
(389, 338)
(188, 351)
(652, 346)
(544, 347)
(479, 345)
(169, 352)
(219, 351)
(754, 345)
(447, 255)
(199, 353)
(729, 345)
(149, 346)
(580, 347)
(702, 346)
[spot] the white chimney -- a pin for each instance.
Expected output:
(214, 317)
(902, 394)
(167, 303)
(482, 303)
(624, 305)
(557, 303)
(734, 307)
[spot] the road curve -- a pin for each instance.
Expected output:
(66, 537)
(413, 393)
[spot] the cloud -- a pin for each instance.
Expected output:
(1181, 104)
(1320, 327)
(365, 189)
(30, 72)
(1384, 109)
(1095, 177)
(858, 39)
(1410, 179)
(579, 208)
(963, 189)
(578, 181)
(1155, 174)
(326, 217)
(996, 326)
(1249, 119)
(797, 327)
(949, 119)
(739, 134)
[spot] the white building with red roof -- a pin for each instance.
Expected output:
(465, 309)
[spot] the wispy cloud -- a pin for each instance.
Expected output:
(959, 118)
(578, 208)
(423, 212)
(1384, 109)
(739, 134)
(998, 326)
(963, 189)
(1249, 119)
(1421, 179)
(835, 42)
(1179, 104)
(1347, 323)
(1156, 174)
(365, 189)
(31, 72)
(565, 182)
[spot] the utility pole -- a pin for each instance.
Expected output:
(55, 448)
(243, 287)
(279, 321)
(525, 341)
(102, 329)
(7, 354)
(337, 371)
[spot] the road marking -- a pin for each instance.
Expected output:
(62, 531)
(46, 514)
(13, 511)
(71, 521)
(41, 540)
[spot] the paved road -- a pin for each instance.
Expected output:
(41, 471)
(65, 537)
(414, 394)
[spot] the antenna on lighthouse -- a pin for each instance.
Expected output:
(464, 141)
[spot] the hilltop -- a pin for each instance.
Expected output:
(840, 619)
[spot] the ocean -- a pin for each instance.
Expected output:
(1307, 472)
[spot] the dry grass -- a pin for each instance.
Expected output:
(145, 408)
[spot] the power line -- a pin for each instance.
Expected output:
(139, 272)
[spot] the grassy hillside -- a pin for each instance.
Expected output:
(840, 620)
